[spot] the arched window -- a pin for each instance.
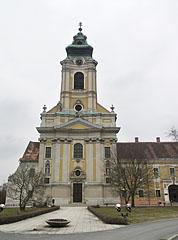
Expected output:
(78, 80)
(47, 168)
(78, 150)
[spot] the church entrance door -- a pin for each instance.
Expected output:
(173, 193)
(77, 192)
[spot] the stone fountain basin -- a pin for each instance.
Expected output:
(57, 222)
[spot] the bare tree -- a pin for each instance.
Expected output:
(173, 133)
(24, 184)
(130, 173)
(2, 196)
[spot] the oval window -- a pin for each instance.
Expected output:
(77, 173)
(78, 107)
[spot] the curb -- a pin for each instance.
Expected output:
(172, 238)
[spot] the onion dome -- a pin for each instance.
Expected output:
(79, 46)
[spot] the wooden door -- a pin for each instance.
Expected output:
(77, 192)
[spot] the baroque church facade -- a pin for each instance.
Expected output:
(78, 137)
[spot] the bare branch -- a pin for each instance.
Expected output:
(173, 133)
(23, 184)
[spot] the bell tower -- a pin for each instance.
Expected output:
(78, 85)
(78, 135)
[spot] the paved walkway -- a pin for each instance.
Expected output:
(81, 220)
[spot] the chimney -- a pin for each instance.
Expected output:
(158, 139)
(136, 139)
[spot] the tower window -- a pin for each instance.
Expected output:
(48, 152)
(78, 150)
(78, 80)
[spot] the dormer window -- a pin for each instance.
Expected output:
(79, 80)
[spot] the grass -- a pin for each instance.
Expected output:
(7, 212)
(144, 214)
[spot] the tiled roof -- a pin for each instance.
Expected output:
(31, 152)
(150, 150)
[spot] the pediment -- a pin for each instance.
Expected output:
(78, 123)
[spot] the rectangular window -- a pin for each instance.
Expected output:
(172, 172)
(156, 172)
(32, 172)
(158, 193)
(107, 152)
(141, 193)
(108, 180)
(46, 180)
(48, 152)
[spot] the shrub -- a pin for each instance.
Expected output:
(5, 220)
(106, 218)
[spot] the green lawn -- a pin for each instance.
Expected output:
(144, 214)
(13, 211)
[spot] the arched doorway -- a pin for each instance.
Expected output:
(173, 193)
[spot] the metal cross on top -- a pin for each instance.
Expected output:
(80, 26)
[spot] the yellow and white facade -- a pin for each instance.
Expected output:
(78, 134)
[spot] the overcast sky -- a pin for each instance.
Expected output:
(135, 43)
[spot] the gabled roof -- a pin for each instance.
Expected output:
(150, 150)
(80, 123)
(31, 152)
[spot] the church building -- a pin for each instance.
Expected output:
(78, 139)
(77, 135)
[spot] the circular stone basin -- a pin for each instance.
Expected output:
(57, 222)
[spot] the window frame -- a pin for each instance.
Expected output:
(141, 195)
(47, 155)
(46, 180)
(108, 180)
(79, 82)
(78, 152)
(107, 154)
(172, 174)
(156, 173)
(156, 191)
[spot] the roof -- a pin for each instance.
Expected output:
(31, 152)
(79, 46)
(149, 150)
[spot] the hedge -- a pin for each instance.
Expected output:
(5, 220)
(106, 218)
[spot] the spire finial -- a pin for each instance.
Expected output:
(44, 108)
(80, 26)
(112, 108)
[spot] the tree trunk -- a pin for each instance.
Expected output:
(22, 207)
(133, 200)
